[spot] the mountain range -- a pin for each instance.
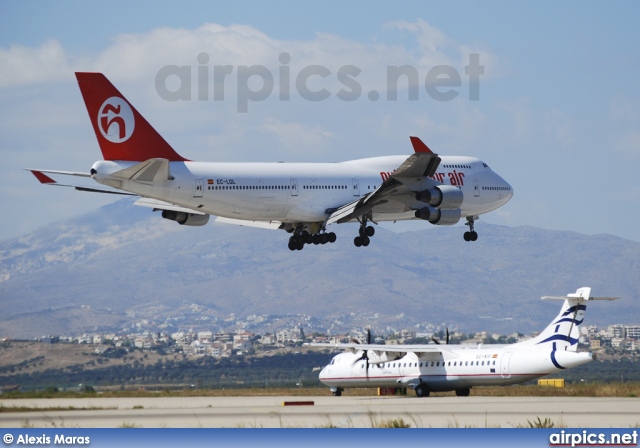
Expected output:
(123, 266)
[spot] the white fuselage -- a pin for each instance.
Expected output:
(304, 192)
(452, 369)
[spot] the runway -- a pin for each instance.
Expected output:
(345, 412)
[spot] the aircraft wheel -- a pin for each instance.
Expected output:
(370, 231)
(357, 241)
(474, 236)
(422, 391)
(315, 239)
(463, 392)
(365, 241)
(324, 238)
(292, 245)
(467, 236)
(332, 237)
(299, 244)
(337, 393)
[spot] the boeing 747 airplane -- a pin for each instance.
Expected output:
(301, 198)
(438, 367)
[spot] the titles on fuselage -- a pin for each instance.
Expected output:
(455, 178)
(225, 181)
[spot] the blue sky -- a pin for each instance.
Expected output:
(557, 114)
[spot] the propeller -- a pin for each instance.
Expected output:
(446, 338)
(365, 353)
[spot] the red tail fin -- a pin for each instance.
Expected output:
(122, 133)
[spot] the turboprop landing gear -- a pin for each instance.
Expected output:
(365, 233)
(422, 391)
(336, 391)
(471, 235)
(464, 392)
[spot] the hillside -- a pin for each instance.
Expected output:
(122, 265)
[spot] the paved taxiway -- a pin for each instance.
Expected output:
(345, 411)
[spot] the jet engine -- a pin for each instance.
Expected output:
(443, 197)
(439, 217)
(185, 219)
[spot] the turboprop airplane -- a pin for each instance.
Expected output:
(301, 198)
(437, 368)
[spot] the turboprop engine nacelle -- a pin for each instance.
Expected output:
(443, 197)
(185, 219)
(439, 217)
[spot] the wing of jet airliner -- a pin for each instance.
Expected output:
(394, 194)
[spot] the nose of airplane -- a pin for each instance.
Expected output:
(510, 190)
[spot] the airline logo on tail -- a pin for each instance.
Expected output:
(115, 120)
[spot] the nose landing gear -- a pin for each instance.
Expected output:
(471, 235)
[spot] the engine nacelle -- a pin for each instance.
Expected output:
(443, 196)
(439, 217)
(185, 219)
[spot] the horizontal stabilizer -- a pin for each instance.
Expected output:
(97, 190)
(46, 180)
(583, 293)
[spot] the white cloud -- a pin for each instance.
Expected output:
(297, 135)
(138, 57)
(23, 65)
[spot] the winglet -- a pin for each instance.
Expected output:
(43, 178)
(419, 146)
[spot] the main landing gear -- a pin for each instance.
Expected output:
(464, 392)
(422, 391)
(365, 232)
(471, 235)
(301, 237)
